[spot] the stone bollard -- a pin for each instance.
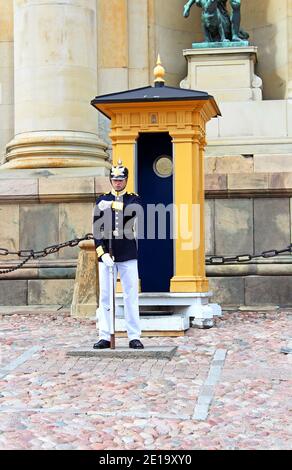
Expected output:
(86, 287)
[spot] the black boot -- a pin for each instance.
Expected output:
(102, 344)
(136, 344)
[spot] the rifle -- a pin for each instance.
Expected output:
(112, 298)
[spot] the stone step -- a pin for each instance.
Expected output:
(149, 313)
(152, 352)
(157, 299)
(175, 322)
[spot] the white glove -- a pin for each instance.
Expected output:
(104, 205)
(107, 259)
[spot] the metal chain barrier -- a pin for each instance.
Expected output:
(220, 260)
(31, 254)
(213, 260)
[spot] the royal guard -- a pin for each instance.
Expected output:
(114, 230)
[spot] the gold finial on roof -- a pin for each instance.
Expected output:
(159, 73)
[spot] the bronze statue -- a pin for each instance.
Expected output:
(218, 26)
(237, 33)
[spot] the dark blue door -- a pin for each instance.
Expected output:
(155, 186)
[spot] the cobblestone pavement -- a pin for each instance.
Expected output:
(228, 387)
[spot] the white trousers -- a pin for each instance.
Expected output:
(128, 271)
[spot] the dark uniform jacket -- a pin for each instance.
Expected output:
(117, 224)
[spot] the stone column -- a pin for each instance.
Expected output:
(138, 24)
(113, 46)
(6, 74)
(289, 20)
(55, 61)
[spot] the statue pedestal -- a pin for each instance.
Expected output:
(227, 73)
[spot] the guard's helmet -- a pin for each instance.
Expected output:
(119, 172)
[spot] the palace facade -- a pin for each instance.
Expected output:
(55, 150)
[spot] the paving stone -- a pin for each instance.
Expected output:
(52, 401)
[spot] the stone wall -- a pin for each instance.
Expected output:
(240, 219)
(262, 128)
(37, 212)
(248, 161)
(267, 23)
(6, 75)
(248, 214)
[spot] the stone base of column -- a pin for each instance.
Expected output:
(55, 149)
(189, 284)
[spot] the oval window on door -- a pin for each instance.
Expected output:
(163, 166)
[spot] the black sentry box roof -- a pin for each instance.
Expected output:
(153, 94)
(149, 93)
